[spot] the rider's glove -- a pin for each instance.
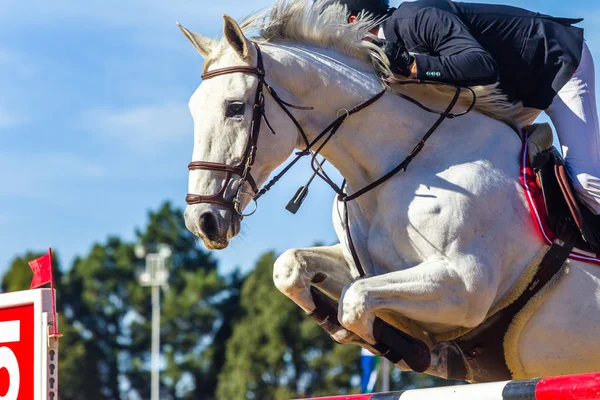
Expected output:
(400, 58)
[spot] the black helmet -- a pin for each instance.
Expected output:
(376, 7)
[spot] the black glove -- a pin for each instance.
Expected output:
(400, 58)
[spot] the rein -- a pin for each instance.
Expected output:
(244, 167)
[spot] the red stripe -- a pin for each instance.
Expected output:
(535, 199)
(534, 196)
(572, 387)
(347, 397)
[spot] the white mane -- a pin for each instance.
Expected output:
(325, 25)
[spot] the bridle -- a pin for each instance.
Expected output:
(245, 165)
(258, 114)
(244, 168)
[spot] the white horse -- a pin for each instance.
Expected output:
(443, 245)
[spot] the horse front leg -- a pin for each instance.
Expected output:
(439, 295)
(296, 270)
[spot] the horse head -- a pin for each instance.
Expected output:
(230, 162)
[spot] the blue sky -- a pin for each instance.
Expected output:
(95, 130)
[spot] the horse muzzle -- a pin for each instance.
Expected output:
(214, 226)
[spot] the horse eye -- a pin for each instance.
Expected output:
(235, 109)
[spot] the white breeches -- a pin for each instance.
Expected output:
(575, 117)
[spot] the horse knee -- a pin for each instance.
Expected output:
(354, 313)
(291, 278)
(287, 272)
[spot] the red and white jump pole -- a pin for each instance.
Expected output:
(28, 353)
(569, 387)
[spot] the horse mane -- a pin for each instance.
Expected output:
(323, 24)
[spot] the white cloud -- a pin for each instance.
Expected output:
(144, 128)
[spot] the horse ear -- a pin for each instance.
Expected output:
(235, 37)
(203, 44)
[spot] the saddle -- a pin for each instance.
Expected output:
(562, 206)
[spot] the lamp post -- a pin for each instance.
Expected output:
(156, 276)
(385, 375)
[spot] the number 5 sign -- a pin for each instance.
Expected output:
(27, 358)
(11, 350)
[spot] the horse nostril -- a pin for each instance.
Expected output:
(208, 225)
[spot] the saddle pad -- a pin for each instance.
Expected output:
(535, 199)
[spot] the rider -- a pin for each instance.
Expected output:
(540, 60)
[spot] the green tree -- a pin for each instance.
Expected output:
(108, 312)
(101, 286)
(276, 352)
(79, 377)
(194, 330)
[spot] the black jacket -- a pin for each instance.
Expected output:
(533, 55)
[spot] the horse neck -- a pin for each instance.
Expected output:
(370, 142)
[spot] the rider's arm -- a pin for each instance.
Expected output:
(458, 56)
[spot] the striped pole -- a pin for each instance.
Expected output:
(570, 387)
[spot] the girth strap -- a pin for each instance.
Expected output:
(482, 348)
